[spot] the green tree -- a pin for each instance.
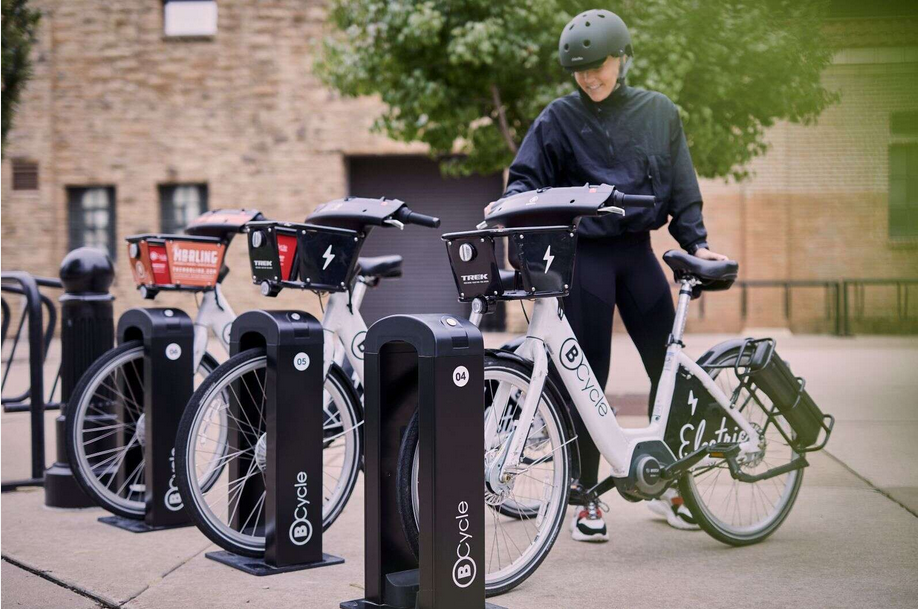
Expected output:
(474, 74)
(20, 24)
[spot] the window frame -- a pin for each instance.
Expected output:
(168, 222)
(76, 231)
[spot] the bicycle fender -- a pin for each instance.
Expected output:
(720, 349)
(552, 383)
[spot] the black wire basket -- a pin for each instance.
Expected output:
(302, 256)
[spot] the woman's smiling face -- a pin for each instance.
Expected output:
(599, 82)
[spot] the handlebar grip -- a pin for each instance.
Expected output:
(410, 217)
(621, 199)
(424, 220)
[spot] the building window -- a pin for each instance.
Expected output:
(189, 18)
(92, 217)
(903, 175)
(179, 204)
(25, 175)
(903, 190)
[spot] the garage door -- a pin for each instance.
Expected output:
(427, 285)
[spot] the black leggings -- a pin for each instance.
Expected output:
(619, 272)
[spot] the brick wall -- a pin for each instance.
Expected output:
(112, 102)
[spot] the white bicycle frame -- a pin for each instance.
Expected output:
(214, 315)
(550, 336)
(342, 321)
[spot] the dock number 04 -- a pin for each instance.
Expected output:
(461, 376)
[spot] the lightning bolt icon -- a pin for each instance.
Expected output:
(693, 401)
(548, 258)
(328, 257)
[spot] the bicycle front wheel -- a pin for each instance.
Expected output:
(523, 517)
(231, 510)
(743, 513)
(106, 429)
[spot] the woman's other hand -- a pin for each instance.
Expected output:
(706, 254)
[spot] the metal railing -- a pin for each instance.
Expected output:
(39, 340)
(837, 298)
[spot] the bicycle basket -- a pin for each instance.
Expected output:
(175, 262)
(764, 368)
(544, 257)
(303, 256)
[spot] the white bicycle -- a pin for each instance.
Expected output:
(106, 430)
(223, 485)
(730, 430)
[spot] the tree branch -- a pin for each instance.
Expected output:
(502, 119)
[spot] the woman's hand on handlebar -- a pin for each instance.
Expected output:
(706, 254)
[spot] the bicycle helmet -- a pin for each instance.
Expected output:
(592, 36)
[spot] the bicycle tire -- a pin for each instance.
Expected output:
(90, 380)
(405, 478)
(203, 517)
(695, 502)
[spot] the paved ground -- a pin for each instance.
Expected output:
(851, 541)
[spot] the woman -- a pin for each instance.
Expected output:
(610, 133)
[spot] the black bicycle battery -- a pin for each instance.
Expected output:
(435, 364)
(293, 434)
(770, 373)
(167, 382)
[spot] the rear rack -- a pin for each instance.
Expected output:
(759, 368)
(543, 257)
(302, 256)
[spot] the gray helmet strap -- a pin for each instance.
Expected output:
(623, 70)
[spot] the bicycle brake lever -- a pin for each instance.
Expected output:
(611, 209)
(395, 223)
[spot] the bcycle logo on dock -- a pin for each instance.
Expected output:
(301, 528)
(464, 570)
(172, 498)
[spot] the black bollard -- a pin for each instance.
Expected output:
(87, 332)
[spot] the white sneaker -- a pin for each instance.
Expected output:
(671, 507)
(588, 525)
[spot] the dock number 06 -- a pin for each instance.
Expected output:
(461, 376)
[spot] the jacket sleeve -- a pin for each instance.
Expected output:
(537, 161)
(687, 225)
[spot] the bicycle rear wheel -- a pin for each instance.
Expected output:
(742, 513)
(105, 433)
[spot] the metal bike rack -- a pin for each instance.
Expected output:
(168, 382)
(26, 285)
(294, 419)
(433, 363)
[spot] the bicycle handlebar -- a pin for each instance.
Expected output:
(621, 199)
(406, 216)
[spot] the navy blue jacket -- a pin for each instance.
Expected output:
(632, 140)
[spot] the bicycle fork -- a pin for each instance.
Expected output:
(502, 469)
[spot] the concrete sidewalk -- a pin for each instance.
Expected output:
(851, 541)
